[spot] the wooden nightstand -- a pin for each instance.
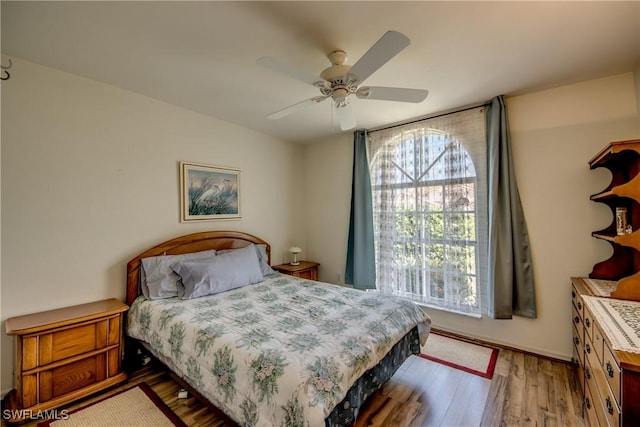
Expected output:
(305, 270)
(65, 354)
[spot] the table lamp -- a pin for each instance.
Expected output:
(295, 251)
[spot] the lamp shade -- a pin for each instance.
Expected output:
(295, 251)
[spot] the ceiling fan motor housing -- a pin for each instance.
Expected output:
(341, 83)
(337, 72)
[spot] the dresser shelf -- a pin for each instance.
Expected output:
(622, 159)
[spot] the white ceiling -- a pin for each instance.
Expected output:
(202, 55)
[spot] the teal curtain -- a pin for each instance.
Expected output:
(361, 271)
(511, 284)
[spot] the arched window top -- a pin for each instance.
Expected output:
(421, 157)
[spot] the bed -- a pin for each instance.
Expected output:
(271, 349)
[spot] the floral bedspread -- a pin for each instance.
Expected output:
(282, 352)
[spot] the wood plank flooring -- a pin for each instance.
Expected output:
(525, 391)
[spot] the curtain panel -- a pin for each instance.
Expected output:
(511, 283)
(360, 270)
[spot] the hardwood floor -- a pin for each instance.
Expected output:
(525, 391)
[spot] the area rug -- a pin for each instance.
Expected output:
(470, 357)
(137, 406)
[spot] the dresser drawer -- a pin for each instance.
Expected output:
(578, 344)
(576, 299)
(598, 342)
(607, 407)
(576, 319)
(588, 323)
(612, 373)
(596, 417)
(590, 407)
(580, 372)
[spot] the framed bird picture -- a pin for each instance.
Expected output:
(209, 192)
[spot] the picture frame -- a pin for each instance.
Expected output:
(209, 192)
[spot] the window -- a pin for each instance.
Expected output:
(429, 205)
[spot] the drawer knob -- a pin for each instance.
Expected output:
(609, 405)
(576, 319)
(609, 369)
(573, 293)
(587, 373)
(587, 322)
(588, 348)
(579, 305)
(587, 402)
(576, 340)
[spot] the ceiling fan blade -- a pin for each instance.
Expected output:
(346, 117)
(289, 70)
(295, 107)
(389, 45)
(392, 94)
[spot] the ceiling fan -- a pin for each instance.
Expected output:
(340, 80)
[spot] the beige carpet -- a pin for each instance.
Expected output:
(467, 356)
(138, 406)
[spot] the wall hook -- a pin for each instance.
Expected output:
(6, 75)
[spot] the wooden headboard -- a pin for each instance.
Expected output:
(195, 242)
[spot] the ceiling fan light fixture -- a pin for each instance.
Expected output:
(340, 94)
(345, 115)
(341, 102)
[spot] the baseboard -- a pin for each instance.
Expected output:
(556, 357)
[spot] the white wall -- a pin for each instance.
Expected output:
(554, 133)
(328, 169)
(90, 179)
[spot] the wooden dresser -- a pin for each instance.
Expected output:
(304, 270)
(606, 335)
(65, 354)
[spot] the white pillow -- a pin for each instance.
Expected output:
(224, 272)
(158, 280)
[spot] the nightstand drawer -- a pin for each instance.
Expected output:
(304, 270)
(307, 274)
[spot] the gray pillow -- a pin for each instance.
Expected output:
(224, 272)
(263, 259)
(158, 280)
